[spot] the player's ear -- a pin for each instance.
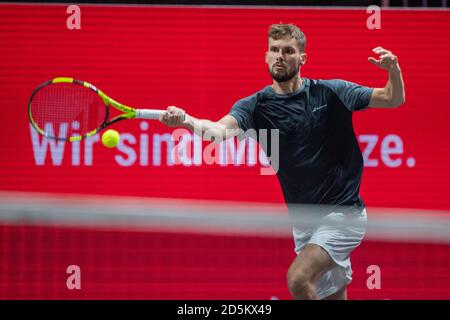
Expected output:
(267, 54)
(303, 58)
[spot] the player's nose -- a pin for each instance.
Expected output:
(279, 58)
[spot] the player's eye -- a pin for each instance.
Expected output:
(289, 51)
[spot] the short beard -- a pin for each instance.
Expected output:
(284, 76)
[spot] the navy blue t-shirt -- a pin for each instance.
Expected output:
(319, 158)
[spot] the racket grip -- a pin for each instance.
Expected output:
(148, 113)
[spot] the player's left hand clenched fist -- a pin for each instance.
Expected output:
(387, 59)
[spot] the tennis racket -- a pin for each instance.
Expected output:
(71, 110)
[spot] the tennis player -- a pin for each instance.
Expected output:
(320, 162)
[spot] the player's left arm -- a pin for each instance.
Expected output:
(393, 94)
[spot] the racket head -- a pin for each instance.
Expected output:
(68, 110)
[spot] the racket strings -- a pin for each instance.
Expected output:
(65, 110)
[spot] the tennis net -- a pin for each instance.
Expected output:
(142, 248)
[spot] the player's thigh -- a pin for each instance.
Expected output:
(311, 263)
(341, 294)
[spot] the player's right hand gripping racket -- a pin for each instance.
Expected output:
(71, 110)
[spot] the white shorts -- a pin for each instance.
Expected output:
(338, 234)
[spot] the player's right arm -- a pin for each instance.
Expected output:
(225, 128)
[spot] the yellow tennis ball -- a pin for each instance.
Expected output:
(110, 138)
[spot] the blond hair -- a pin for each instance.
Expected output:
(278, 31)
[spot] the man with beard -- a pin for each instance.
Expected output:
(320, 162)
